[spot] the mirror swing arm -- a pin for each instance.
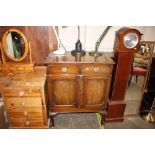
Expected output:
(2, 54)
(23, 62)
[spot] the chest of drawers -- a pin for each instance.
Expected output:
(25, 100)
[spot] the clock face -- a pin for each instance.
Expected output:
(130, 40)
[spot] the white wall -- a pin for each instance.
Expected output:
(149, 33)
(90, 34)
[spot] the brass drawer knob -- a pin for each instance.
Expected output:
(30, 90)
(10, 74)
(64, 69)
(27, 123)
(96, 69)
(20, 68)
(21, 93)
(25, 113)
(23, 103)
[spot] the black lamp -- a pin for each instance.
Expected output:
(78, 46)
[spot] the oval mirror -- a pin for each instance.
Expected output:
(15, 45)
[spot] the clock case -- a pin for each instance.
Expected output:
(123, 58)
(119, 42)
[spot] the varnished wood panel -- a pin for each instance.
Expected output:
(39, 38)
(94, 91)
(16, 68)
(2, 118)
(32, 109)
(21, 91)
(25, 114)
(62, 91)
(63, 69)
(94, 108)
(27, 123)
(42, 41)
(69, 59)
(96, 69)
(115, 111)
(120, 76)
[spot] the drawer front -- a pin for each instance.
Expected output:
(26, 123)
(20, 91)
(105, 69)
(63, 69)
(23, 102)
(16, 68)
(10, 109)
(25, 114)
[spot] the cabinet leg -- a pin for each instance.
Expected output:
(51, 122)
(52, 115)
(103, 119)
(103, 115)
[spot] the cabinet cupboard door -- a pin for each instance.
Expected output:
(95, 91)
(62, 91)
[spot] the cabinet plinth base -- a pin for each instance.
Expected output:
(115, 111)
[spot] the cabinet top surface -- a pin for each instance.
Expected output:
(68, 58)
(35, 78)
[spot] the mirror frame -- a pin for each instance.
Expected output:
(145, 83)
(25, 42)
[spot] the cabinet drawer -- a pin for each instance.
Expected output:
(105, 69)
(25, 114)
(23, 102)
(16, 68)
(10, 109)
(63, 69)
(26, 123)
(21, 91)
